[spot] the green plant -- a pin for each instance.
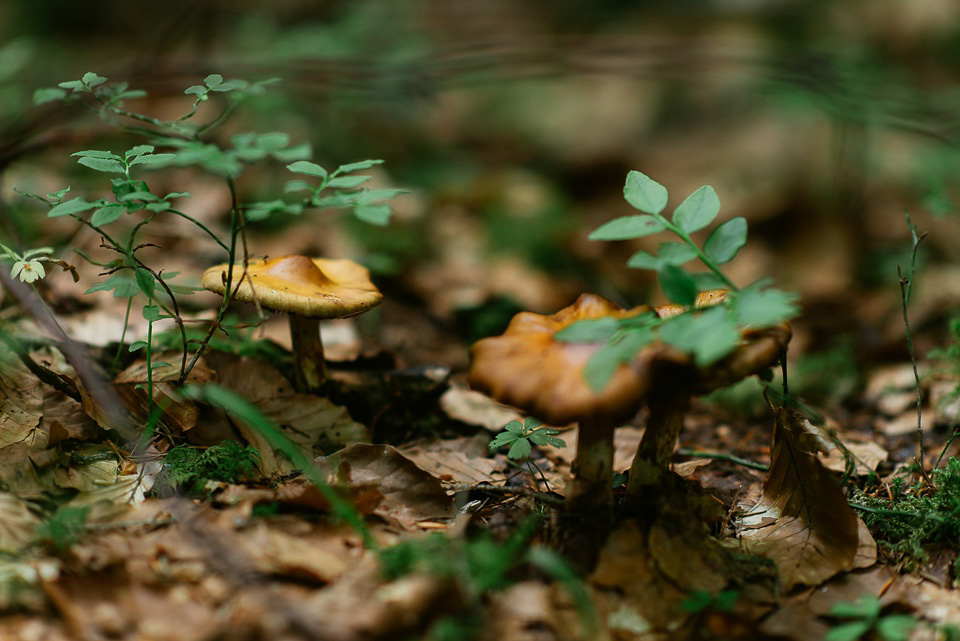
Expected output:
(189, 468)
(865, 616)
(66, 527)
(121, 218)
(708, 334)
(918, 514)
(521, 437)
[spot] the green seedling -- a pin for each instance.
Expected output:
(865, 617)
(708, 335)
(521, 437)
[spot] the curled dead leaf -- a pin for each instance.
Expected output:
(410, 494)
(802, 520)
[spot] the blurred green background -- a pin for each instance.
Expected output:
(513, 125)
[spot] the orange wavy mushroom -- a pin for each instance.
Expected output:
(527, 367)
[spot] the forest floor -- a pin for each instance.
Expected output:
(102, 539)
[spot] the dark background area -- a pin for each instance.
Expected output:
(514, 124)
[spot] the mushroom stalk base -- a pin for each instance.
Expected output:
(593, 470)
(308, 353)
(652, 460)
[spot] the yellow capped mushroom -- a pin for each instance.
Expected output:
(308, 289)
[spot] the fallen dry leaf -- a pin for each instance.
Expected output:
(410, 494)
(252, 379)
(799, 618)
(302, 556)
(689, 468)
(524, 612)
(867, 456)
(315, 424)
(312, 423)
(360, 606)
(64, 418)
(101, 606)
(475, 408)
(17, 523)
(627, 581)
(20, 581)
(21, 404)
(802, 520)
(460, 460)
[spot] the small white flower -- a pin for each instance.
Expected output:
(28, 271)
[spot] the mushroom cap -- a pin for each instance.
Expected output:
(758, 349)
(528, 368)
(312, 287)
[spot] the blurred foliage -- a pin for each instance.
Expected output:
(489, 318)
(452, 94)
(66, 527)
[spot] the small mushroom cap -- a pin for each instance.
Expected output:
(312, 287)
(528, 368)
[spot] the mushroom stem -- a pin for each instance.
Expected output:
(307, 353)
(593, 469)
(667, 411)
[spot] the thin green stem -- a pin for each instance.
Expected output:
(720, 456)
(904, 282)
(192, 112)
(123, 336)
(219, 120)
(228, 289)
(175, 313)
(156, 122)
(703, 257)
(946, 446)
(203, 227)
(149, 347)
